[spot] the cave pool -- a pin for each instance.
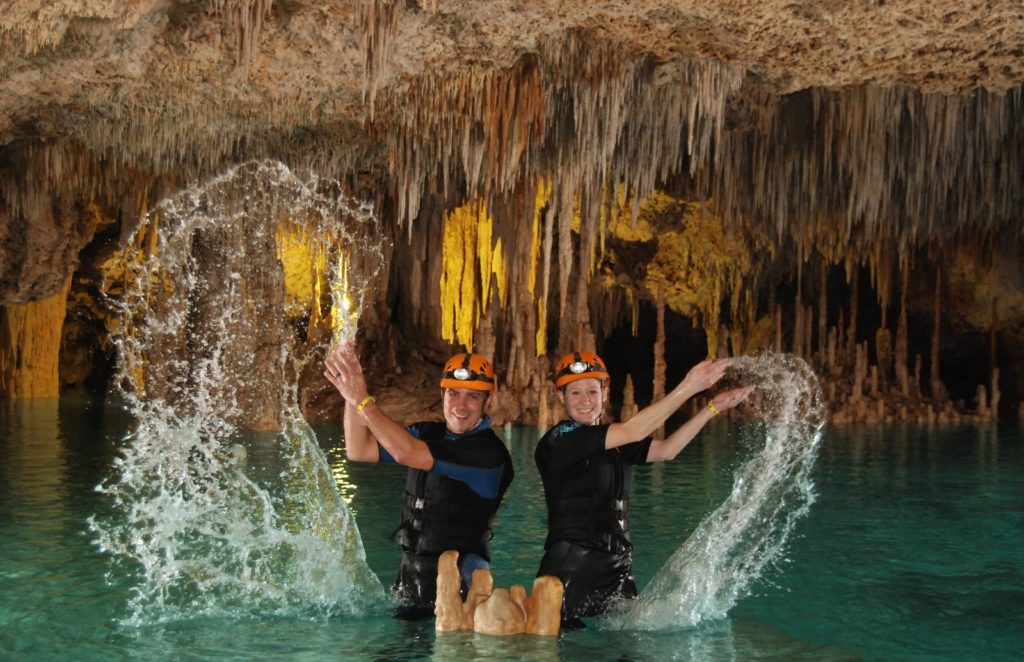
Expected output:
(914, 550)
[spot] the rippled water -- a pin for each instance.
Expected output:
(911, 551)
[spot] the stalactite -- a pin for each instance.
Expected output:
(30, 27)
(521, 315)
(542, 300)
(579, 111)
(565, 255)
(469, 261)
(244, 18)
(379, 19)
(877, 154)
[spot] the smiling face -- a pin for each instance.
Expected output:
(463, 408)
(583, 400)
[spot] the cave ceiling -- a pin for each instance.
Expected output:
(891, 120)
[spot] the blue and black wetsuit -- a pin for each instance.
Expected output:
(449, 507)
(587, 491)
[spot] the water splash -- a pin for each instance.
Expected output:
(747, 533)
(208, 349)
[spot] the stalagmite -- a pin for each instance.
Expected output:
(901, 356)
(809, 333)
(917, 372)
(448, 602)
(482, 587)
(659, 350)
(778, 329)
(992, 364)
(544, 606)
(30, 338)
(854, 304)
(883, 353)
(996, 395)
(798, 326)
(840, 328)
(830, 359)
(738, 342)
(629, 406)
(938, 390)
(495, 611)
(500, 613)
(858, 374)
(822, 313)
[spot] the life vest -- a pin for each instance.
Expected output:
(441, 513)
(590, 505)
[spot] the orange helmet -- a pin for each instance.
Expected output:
(580, 365)
(470, 371)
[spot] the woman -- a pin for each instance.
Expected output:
(586, 467)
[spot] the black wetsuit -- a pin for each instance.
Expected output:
(587, 492)
(449, 507)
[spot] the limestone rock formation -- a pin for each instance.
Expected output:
(495, 611)
(796, 175)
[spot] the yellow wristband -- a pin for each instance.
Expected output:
(367, 400)
(711, 406)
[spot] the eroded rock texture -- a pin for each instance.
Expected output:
(789, 175)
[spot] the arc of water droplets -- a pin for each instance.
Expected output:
(772, 490)
(195, 530)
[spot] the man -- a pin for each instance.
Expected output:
(458, 470)
(587, 469)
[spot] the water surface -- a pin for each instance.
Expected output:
(912, 551)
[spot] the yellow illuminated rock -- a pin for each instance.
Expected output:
(30, 336)
(469, 259)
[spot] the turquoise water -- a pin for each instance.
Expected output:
(913, 551)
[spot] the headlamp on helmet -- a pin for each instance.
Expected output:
(470, 371)
(580, 365)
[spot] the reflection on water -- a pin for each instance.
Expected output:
(36, 469)
(912, 551)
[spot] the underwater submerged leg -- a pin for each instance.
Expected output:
(593, 579)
